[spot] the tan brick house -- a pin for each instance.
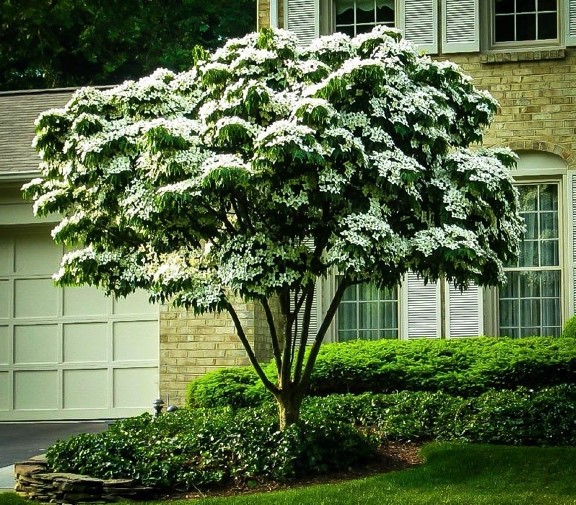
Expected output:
(72, 353)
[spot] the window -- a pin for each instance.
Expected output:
(360, 16)
(530, 303)
(517, 22)
(369, 313)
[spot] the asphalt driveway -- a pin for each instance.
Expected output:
(19, 441)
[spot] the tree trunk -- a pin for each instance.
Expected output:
(288, 404)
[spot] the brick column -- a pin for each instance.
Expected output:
(192, 345)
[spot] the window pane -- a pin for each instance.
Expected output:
(528, 197)
(547, 5)
(526, 6)
(549, 253)
(549, 197)
(550, 284)
(504, 6)
(365, 12)
(345, 12)
(526, 27)
(368, 313)
(510, 289)
(344, 336)
(529, 254)
(504, 29)
(551, 312)
(530, 311)
(347, 316)
(530, 284)
(368, 292)
(547, 26)
(385, 11)
(389, 315)
(548, 225)
(509, 313)
(531, 220)
(350, 294)
(347, 30)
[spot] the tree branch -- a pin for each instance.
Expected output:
(251, 356)
(305, 329)
(345, 283)
(273, 334)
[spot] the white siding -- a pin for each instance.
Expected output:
(460, 26)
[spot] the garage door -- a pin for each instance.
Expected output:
(69, 353)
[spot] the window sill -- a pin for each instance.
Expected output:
(523, 55)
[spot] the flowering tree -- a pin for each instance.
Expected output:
(264, 168)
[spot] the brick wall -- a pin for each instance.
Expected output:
(192, 345)
(537, 96)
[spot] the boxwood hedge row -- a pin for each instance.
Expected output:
(466, 367)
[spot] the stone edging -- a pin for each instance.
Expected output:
(35, 481)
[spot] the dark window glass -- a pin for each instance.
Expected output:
(526, 6)
(547, 26)
(547, 5)
(365, 11)
(526, 27)
(504, 28)
(504, 6)
(346, 16)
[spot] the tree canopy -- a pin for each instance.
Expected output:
(59, 43)
(267, 166)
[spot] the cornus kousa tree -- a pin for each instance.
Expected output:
(267, 166)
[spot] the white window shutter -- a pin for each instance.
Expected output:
(464, 312)
(571, 22)
(302, 18)
(418, 20)
(572, 230)
(423, 307)
(460, 26)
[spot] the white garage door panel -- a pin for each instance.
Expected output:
(85, 342)
(134, 340)
(84, 301)
(86, 389)
(69, 353)
(35, 298)
(36, 344)
(36, 390)
(4, 389)
(5, 299)
(133, 386)
(4, 347)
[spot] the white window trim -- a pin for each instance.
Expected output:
(492, 296)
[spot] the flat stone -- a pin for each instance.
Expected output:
(118, 483)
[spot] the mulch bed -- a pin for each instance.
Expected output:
(392, 456)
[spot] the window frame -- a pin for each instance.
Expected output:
(357, 302)
(331, 11)
(489, 19)
(562, 267)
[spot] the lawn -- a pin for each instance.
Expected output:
(454, 474)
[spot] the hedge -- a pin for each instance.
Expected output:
(466, 367)
(207, 447)
(520, 417)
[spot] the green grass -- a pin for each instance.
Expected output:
(453, 474)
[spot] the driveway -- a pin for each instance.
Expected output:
(19, 441)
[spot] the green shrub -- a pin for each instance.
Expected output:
(523, 416)
(466, 367)
(569, 330)
(189, 449)
(237, 387)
